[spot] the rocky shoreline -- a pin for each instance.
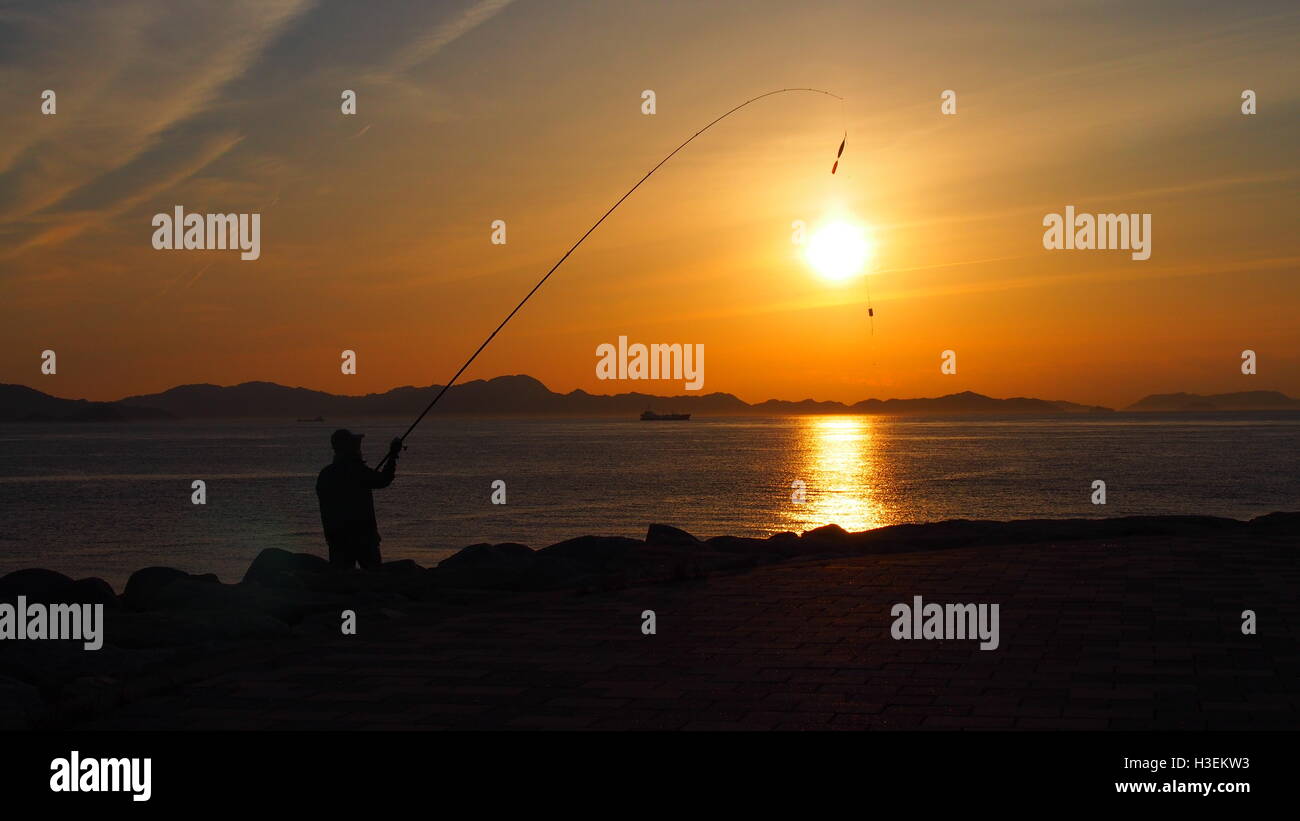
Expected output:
(168, 627)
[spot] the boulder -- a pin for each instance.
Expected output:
(785, 541)
(402, 566)
(593, 551)
(161, 589)
(511, 566)
(670, 536)
(505, 556)
(145, 586)
(274, 567)
(1282, 521)
(36, 583)
(49, 587)
(92, 590)
(827, 534)
(551, 573)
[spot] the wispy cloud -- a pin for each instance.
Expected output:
(92, 206)
(152, 93)
(443, 34)
(125, 73)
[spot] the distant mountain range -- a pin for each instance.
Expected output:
(1242, 400)
(23, 404)
(525, 396)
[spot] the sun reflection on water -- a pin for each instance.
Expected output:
(837, 461)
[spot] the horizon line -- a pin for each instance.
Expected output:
(639, 393)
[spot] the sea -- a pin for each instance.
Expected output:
(107, 499)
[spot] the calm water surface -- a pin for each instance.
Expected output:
(105, 500)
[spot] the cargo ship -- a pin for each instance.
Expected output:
(651, 416)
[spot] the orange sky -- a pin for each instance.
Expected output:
(376, 227)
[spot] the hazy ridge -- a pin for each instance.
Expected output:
(524, 395)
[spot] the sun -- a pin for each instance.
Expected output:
(838, 250)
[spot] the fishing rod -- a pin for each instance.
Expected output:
(611, 210)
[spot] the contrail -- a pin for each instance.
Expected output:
(201, 272)
(542, 281)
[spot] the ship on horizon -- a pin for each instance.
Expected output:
(651, 416)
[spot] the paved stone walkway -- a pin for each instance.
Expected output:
(1146, 635)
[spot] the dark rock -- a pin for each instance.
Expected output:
(1277, 520)
(304, 574)
(21, 706)
(782, 546)
(90, 696)
(833, 534)
(274, 567)
(510, 566)
(145, 631)
(551, 573)
(406, 566)
(49, 587)
(663, 563)
(37, 584)
(668, 535)
(371, 609)
(145, 586)
(719, 562)
(735, 544)
(92, 590)
(165, 589)
(286, 605)
(595, 551)
(505, 556)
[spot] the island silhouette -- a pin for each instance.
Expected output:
(526, 396)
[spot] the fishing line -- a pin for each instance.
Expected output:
(647, 176)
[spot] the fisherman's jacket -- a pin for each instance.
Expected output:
(347, 507)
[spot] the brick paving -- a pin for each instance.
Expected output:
(1094, 635)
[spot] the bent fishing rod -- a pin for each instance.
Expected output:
(596, 225)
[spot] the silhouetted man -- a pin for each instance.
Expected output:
(347, 508)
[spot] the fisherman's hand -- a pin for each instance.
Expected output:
(395, 449)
